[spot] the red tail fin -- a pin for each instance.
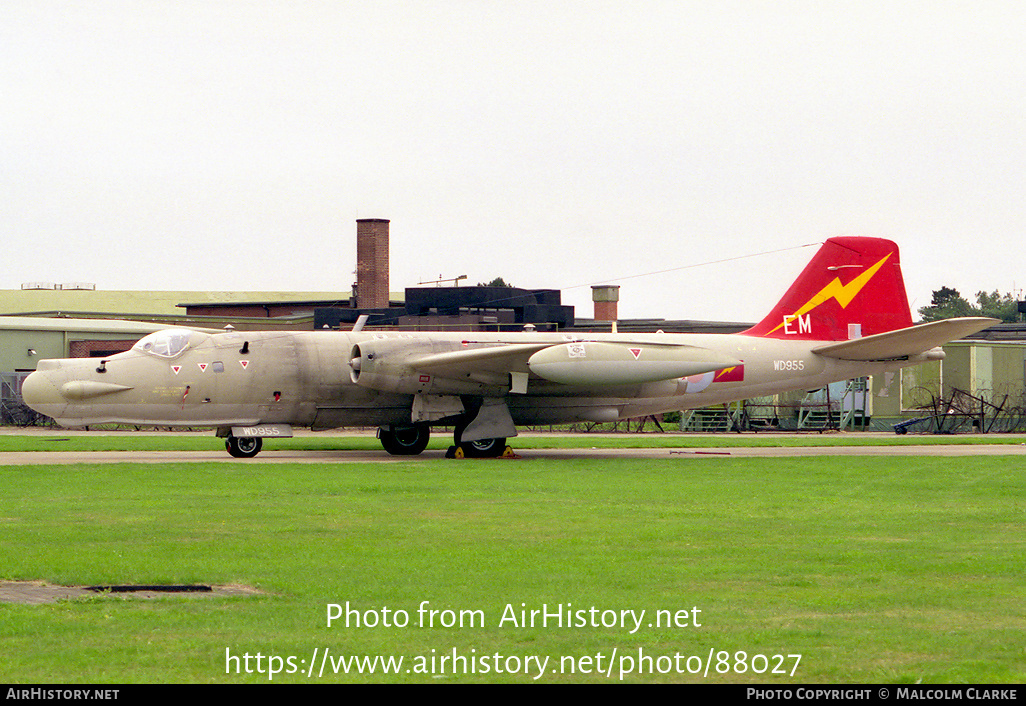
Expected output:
(851, 288)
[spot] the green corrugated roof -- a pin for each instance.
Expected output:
(25, 323)
(27, 301)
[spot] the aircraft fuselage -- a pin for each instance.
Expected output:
(305, 379)
(846, 316)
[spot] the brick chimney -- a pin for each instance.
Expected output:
(605, 298)
(372, 263)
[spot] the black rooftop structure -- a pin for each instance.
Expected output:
(1001, 332)
(487, 308)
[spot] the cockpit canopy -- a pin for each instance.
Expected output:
(165, 344)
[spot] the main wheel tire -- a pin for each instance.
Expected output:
(243, 446)
(484, 448)
(405, 441)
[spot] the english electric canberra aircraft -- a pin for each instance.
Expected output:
(845, 316)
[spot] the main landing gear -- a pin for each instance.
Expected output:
(411, 440)
(405, 441)
(481, 448)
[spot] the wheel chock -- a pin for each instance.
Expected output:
(458, 452)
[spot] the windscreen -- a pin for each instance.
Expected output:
(166, 344)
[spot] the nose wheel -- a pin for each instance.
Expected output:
(243, 446)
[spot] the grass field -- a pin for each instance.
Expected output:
(206, 441)
(872, 569)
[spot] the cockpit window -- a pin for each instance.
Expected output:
(166, 344)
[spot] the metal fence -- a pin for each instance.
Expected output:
(960, 411)
(12, 408)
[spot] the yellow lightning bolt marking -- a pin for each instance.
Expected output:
(725, 371)
(843, 293)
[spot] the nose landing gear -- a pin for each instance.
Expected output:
(243, 446)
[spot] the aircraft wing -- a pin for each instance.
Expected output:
(905, 342)
(577, 362)
(511, 358)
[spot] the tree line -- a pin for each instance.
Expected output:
(948, 303)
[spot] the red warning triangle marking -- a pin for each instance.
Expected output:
(635, 352)
(202, 367)
(244, 364)
(176, 368)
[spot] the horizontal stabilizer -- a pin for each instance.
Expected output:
(905, 342)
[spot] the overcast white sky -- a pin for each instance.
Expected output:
(232, 145)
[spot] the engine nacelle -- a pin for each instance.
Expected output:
(609, 363)
(389, 365)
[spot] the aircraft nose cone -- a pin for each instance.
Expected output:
(41, 394)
